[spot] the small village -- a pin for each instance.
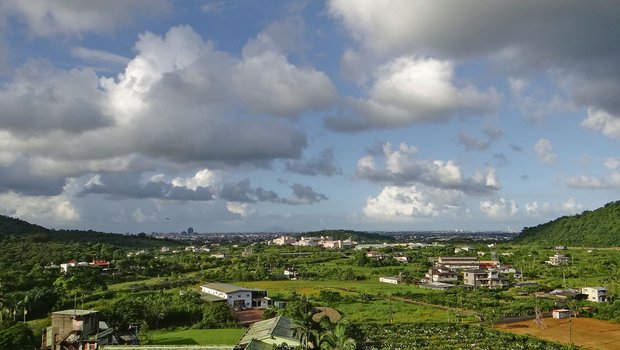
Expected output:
(470, 269)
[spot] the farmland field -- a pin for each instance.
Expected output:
(586, 332)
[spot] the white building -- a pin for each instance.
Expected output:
(308, 242)
(561, 313)
(595, 294)
(392, 280)
(459, 262)
(402, 259)
(441, 274)
(283, 240)
(558, 260)
(236, 296)
(64, 268)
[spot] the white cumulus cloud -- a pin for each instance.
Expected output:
(410, 90)
(406, 202)
(499, 208)
(544, 151)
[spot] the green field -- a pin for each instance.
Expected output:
(379, 310)
(224, 336)
(312, 288)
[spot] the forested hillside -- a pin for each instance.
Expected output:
(353, 235)
(598, 228)
(11, 228)
(25, 248)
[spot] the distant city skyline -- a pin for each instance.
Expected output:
(243, 116)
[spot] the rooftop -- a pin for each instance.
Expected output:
(277, 327)
(458, 258)
(226, 288)
(74, 312)
(600, 289)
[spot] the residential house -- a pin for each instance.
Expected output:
(268, 334)
(402, 259)
(337, 244)
(595, 294)
(284, 240)
(376, 255)
(392, 280)
(235, 296)
(308, 242)
(483, 278)
(77, 330)
(104, 264)
(64, 268)
(459, 262)
(291, 273)
(558, 260)
(441, 274)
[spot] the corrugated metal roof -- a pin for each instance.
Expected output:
(277, 327)
(227, 288)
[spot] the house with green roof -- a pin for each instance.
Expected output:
(237, 297)
(265, 334)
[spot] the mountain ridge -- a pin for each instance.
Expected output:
(591, 228)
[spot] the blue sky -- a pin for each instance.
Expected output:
(141, 116)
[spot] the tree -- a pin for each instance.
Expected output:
(17, 336)
(338, 339)
(217, 315)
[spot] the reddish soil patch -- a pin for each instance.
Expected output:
(247, 317)
(584, 332)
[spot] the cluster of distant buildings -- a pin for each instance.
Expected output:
(323, 241)
(65, 267)
(474, 272)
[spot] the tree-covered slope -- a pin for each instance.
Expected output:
(12, 226)
(24, 245)
(359, 236)
(597, 228)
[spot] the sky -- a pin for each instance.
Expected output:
(240, 116)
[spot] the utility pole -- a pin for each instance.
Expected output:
(570, 329)
(390, 308)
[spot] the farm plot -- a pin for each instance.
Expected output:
(584, 332)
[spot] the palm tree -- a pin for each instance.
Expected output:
(303, 328)
(338, 339)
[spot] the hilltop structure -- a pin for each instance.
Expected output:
(76, 329)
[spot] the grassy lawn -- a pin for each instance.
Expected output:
(224, 336)
(312, 288)
(149, 281)
(379, 311)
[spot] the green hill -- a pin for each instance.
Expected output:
(597, 228)
(25, 245)
(12, 226)
(358, 236)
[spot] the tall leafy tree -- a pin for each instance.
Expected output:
(338, 339)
